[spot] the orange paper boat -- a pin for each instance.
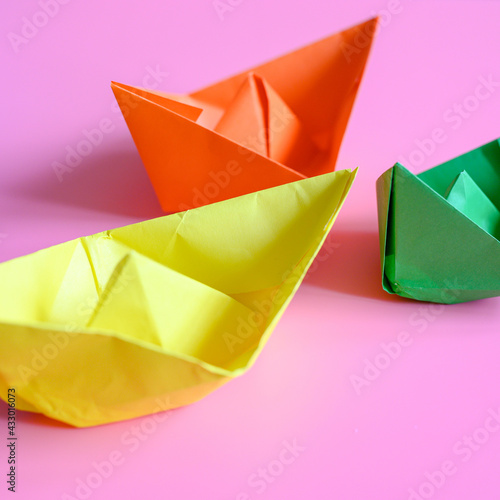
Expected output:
(275, 123)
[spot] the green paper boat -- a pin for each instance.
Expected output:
(439, 230)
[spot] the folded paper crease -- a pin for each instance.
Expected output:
(101, 328)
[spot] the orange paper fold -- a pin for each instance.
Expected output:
(275, 123)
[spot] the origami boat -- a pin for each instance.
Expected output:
(158, 314)
(440, 230)
(275, 123)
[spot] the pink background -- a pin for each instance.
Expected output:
(375, 443)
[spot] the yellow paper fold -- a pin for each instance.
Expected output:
(158, 314)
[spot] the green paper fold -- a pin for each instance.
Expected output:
(439, 230)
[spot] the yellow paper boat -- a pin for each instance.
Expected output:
(158, 314)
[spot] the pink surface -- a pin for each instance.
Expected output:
(374, 440)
